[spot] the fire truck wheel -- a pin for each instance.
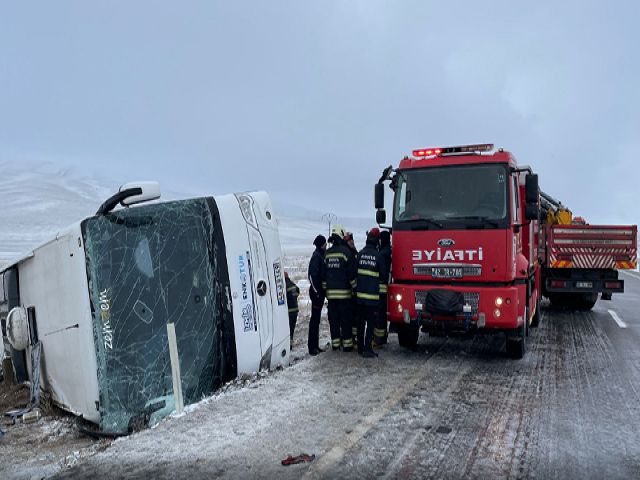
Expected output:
(535, 321)
(586, 301)
(408, 335)
(516, 342)
(560, 300)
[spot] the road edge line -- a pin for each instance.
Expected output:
(631, 273)
(617, 319)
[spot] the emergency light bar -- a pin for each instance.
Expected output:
(427, 152)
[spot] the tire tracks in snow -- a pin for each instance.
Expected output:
(324, 465)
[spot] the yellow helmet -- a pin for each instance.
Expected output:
(338, 230)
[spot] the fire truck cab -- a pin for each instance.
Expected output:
(464, 230)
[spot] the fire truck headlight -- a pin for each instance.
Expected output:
(499, 301)
(496, 313)
(398, 297)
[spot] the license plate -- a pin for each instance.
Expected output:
(584, 285)
(447, 272)
(277, 272)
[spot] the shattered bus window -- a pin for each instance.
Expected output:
(147, 267)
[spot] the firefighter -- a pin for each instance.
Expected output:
(380, 333)
(371, 270)
(292, 302)
(339, 275)
(348, 238)
(316, 293)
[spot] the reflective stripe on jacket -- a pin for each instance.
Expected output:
(371, 271)
(339, 272)
(292, 295)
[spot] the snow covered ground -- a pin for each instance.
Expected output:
(36, 200)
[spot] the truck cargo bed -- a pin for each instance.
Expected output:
(591, 247)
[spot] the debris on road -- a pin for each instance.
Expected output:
(302, 458)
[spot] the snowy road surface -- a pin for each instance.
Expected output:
(455, 408)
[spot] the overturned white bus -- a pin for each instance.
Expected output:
(99, 297)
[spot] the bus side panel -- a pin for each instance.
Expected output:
(54, 281)
(10, 299)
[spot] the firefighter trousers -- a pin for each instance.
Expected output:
(380, 333)
(354, 321)
(317, 302)
(293, 319)
(340, 312)
(367, 321)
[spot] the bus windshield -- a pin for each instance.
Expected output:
(149, 266)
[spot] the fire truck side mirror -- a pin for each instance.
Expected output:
(531, 190)
(379, 195)
(381, 216)
(531, 211)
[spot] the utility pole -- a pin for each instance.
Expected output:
(329, 218)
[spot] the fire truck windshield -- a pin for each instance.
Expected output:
(459, 196)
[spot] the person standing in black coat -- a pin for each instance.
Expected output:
(371, 272)
(339, 275)
(316, 293)
(348, 238)
(292, 302)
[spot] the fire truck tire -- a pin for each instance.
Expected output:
(535, 321)
(560, 300)
(586, 301)
(516, 342)
(408, 335)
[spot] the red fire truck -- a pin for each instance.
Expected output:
(472, 248)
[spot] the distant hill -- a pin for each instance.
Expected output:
(38, 199)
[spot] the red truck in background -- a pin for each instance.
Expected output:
(582, 260)
(474, 246)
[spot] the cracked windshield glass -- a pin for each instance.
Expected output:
(146, 269)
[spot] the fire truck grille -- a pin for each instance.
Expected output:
(433, 270)
(472, 298)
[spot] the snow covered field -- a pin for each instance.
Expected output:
(36, 200)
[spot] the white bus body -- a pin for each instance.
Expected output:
(99, 295)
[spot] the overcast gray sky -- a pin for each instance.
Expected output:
(310, 100)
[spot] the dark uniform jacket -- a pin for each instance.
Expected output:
(292, 295)
(385, 252)
(371, 272)
(339, 273)
(316, 265)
